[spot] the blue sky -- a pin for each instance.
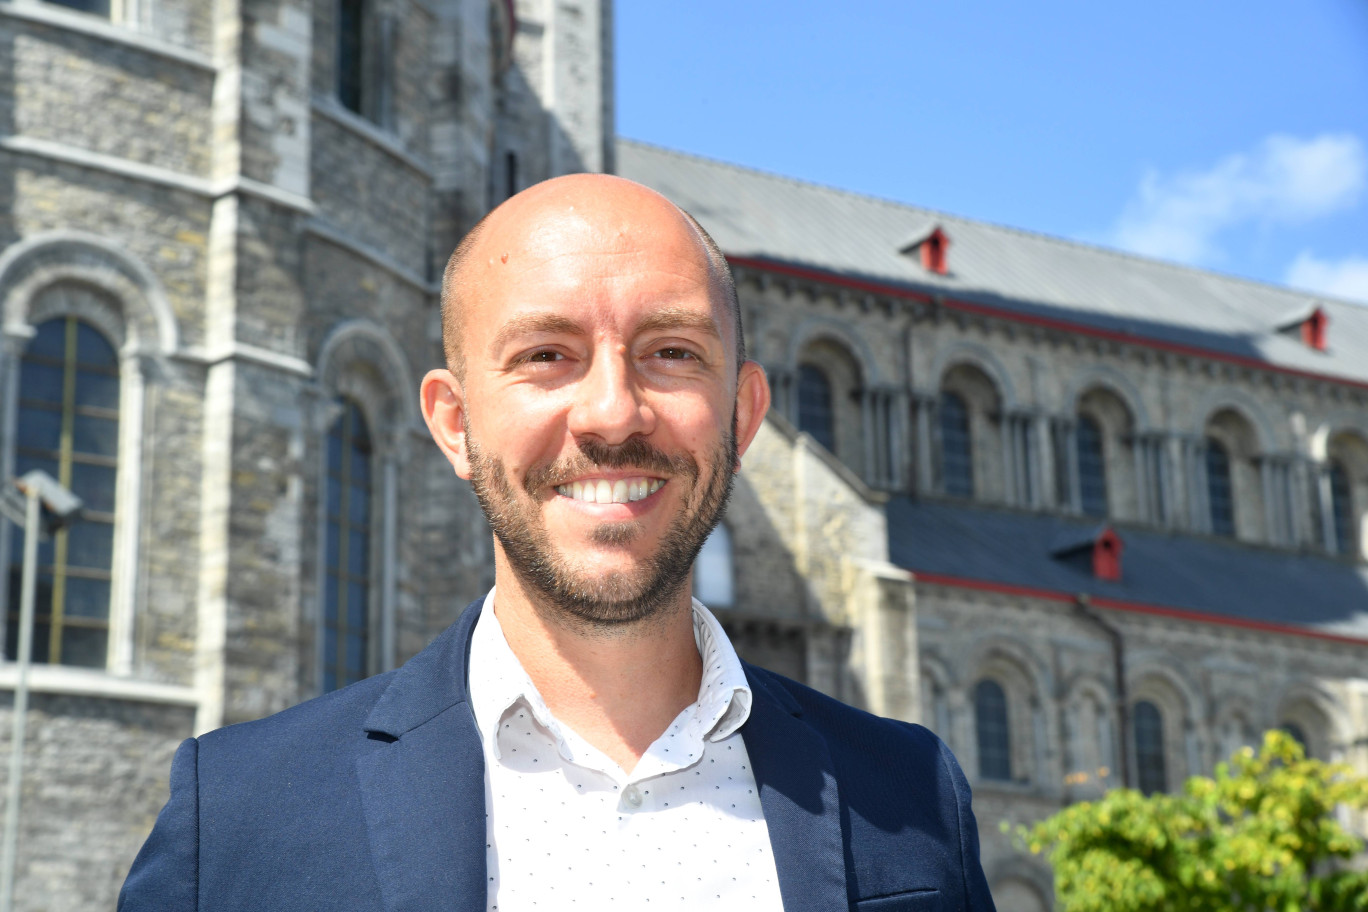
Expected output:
(1231, 136)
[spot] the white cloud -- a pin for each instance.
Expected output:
(1346, 278)
(1284, 179)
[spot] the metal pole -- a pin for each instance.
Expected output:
(16, 770)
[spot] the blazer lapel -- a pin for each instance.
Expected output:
(423, 790)
(798, 793)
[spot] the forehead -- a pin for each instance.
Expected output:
(613, 255)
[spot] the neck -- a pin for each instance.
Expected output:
(619, 688)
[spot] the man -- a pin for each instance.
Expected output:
(584, 736)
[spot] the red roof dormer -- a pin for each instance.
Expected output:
(1309, 326)
(1098, 549)
(1313, 329)
(933, 248)
(1106, 555)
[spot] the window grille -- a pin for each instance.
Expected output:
(1149, 748)
(68, 426)
(346, 596)
(815, 416)
(994, 732)
(1220, 497)
(1092, 467)
(957, 457)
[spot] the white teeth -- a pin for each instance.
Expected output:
(623, 490)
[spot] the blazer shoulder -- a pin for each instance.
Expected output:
(851, 725)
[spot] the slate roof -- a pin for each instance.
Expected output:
(757, 215)
(1185, 572)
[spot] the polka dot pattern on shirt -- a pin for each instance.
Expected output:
(568, 828)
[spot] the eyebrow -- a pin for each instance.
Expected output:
(679, 318)
(528, 324)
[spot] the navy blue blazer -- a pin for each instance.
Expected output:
(373, 797)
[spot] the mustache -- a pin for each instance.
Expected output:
(632, 453)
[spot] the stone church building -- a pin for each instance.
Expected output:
(1095, 520)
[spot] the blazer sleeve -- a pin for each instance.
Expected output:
(165, 875)
(976, 895)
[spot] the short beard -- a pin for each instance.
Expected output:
(616, 601)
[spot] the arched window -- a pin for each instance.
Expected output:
(714, 582)
(1151, 773)
(814, 406)
(346, 596)
(993, 731)
(1092, 467)
(1342, 508)
(1219, 494)
(68, 426)
(957, 454)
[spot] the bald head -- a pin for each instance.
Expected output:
(571, 213)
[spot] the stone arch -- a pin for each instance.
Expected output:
(1101, 376)
(80, 258)
(1153, 681)
(1025, 685)
(1237, 723)
(1113, 470)
(361, 359)
(1238, 500)
(981, 357)
(1090, 737)
(1223, 398)
(818, 328)
(1318, 713)
(1346, 467)
(838, 422)
(981, 396)
(937, 685)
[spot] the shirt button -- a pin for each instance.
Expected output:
(632, 796)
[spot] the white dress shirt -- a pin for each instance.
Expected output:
(568, 828)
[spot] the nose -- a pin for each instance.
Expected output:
(609, 403)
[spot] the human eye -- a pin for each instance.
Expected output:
(675, 353)
(539, 356)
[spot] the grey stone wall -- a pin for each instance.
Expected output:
(96, 773)
(119, 100)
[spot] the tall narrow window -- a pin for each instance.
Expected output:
(346, 595)
(1342, 507)
(350, 45)
(510, 174)
(994, 733)
(1219, 496)
(957, 455)
(1092, 467)
(714, 582)
(1149, 748)
(68, 426)
(814, 406)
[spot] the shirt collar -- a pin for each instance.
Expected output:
(498, 682)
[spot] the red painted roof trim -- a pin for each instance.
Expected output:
(1083, 329)
(1182, 614)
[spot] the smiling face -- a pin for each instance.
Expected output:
(601, 411)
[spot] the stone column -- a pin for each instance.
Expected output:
(867, 435)
(1329, 534)
(1006, 427)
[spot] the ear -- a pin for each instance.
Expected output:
(443, 404)
(752, 403)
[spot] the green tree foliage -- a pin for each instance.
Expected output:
(1260, 835)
